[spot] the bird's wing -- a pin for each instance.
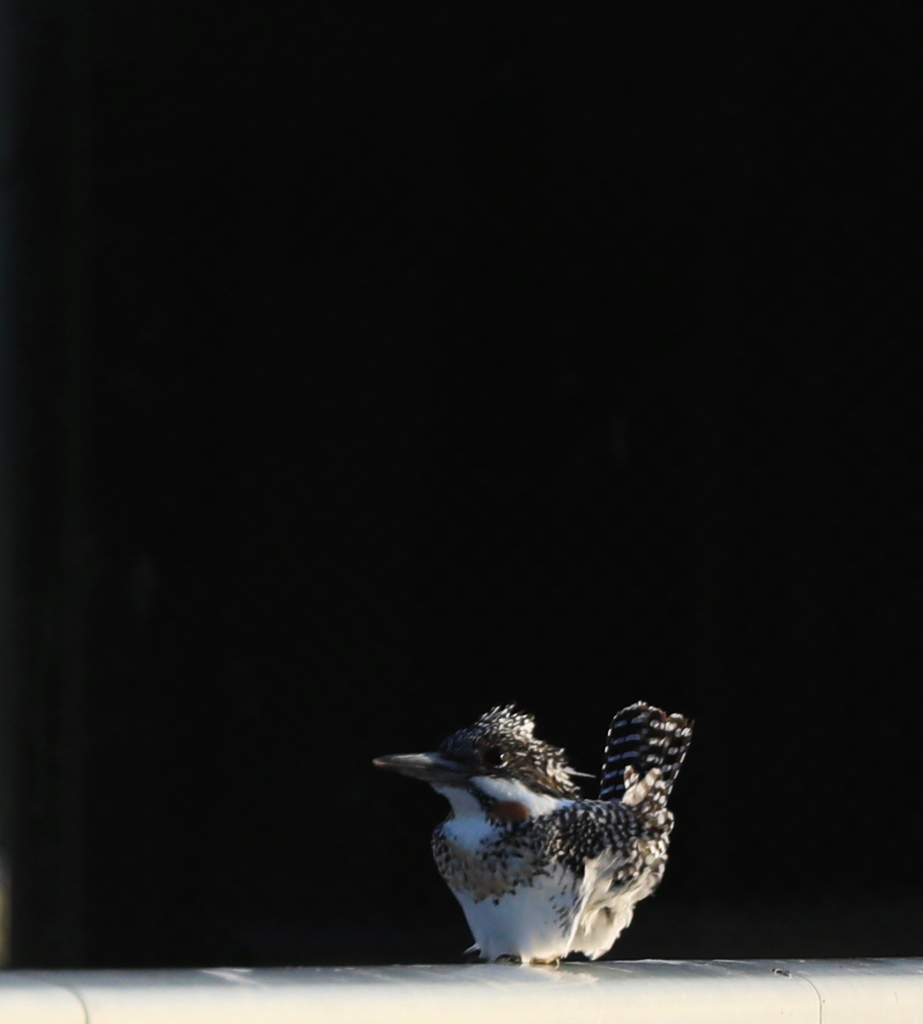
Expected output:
(593, 830)
(603, 843)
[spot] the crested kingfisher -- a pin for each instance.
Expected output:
(539, 871)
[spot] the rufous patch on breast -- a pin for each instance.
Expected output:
(509, 811)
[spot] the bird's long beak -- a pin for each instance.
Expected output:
(432, 768)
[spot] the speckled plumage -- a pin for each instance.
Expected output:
(525, 756)
(539, 871)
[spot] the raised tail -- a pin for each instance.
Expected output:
(641, 739)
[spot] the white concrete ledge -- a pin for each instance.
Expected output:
(639, 992)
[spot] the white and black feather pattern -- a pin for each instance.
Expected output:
(508, 731)
(540, 872)
(566, 881)
(643, 738)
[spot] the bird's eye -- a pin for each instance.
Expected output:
(493, 757)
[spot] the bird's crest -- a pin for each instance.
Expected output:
(502, 742)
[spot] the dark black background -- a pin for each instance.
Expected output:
(377, 365)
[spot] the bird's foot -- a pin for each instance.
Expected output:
(509, 958)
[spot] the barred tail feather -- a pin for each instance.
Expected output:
(641, 739)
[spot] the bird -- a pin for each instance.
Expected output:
(539, 871)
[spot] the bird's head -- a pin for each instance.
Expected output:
(497, 759)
